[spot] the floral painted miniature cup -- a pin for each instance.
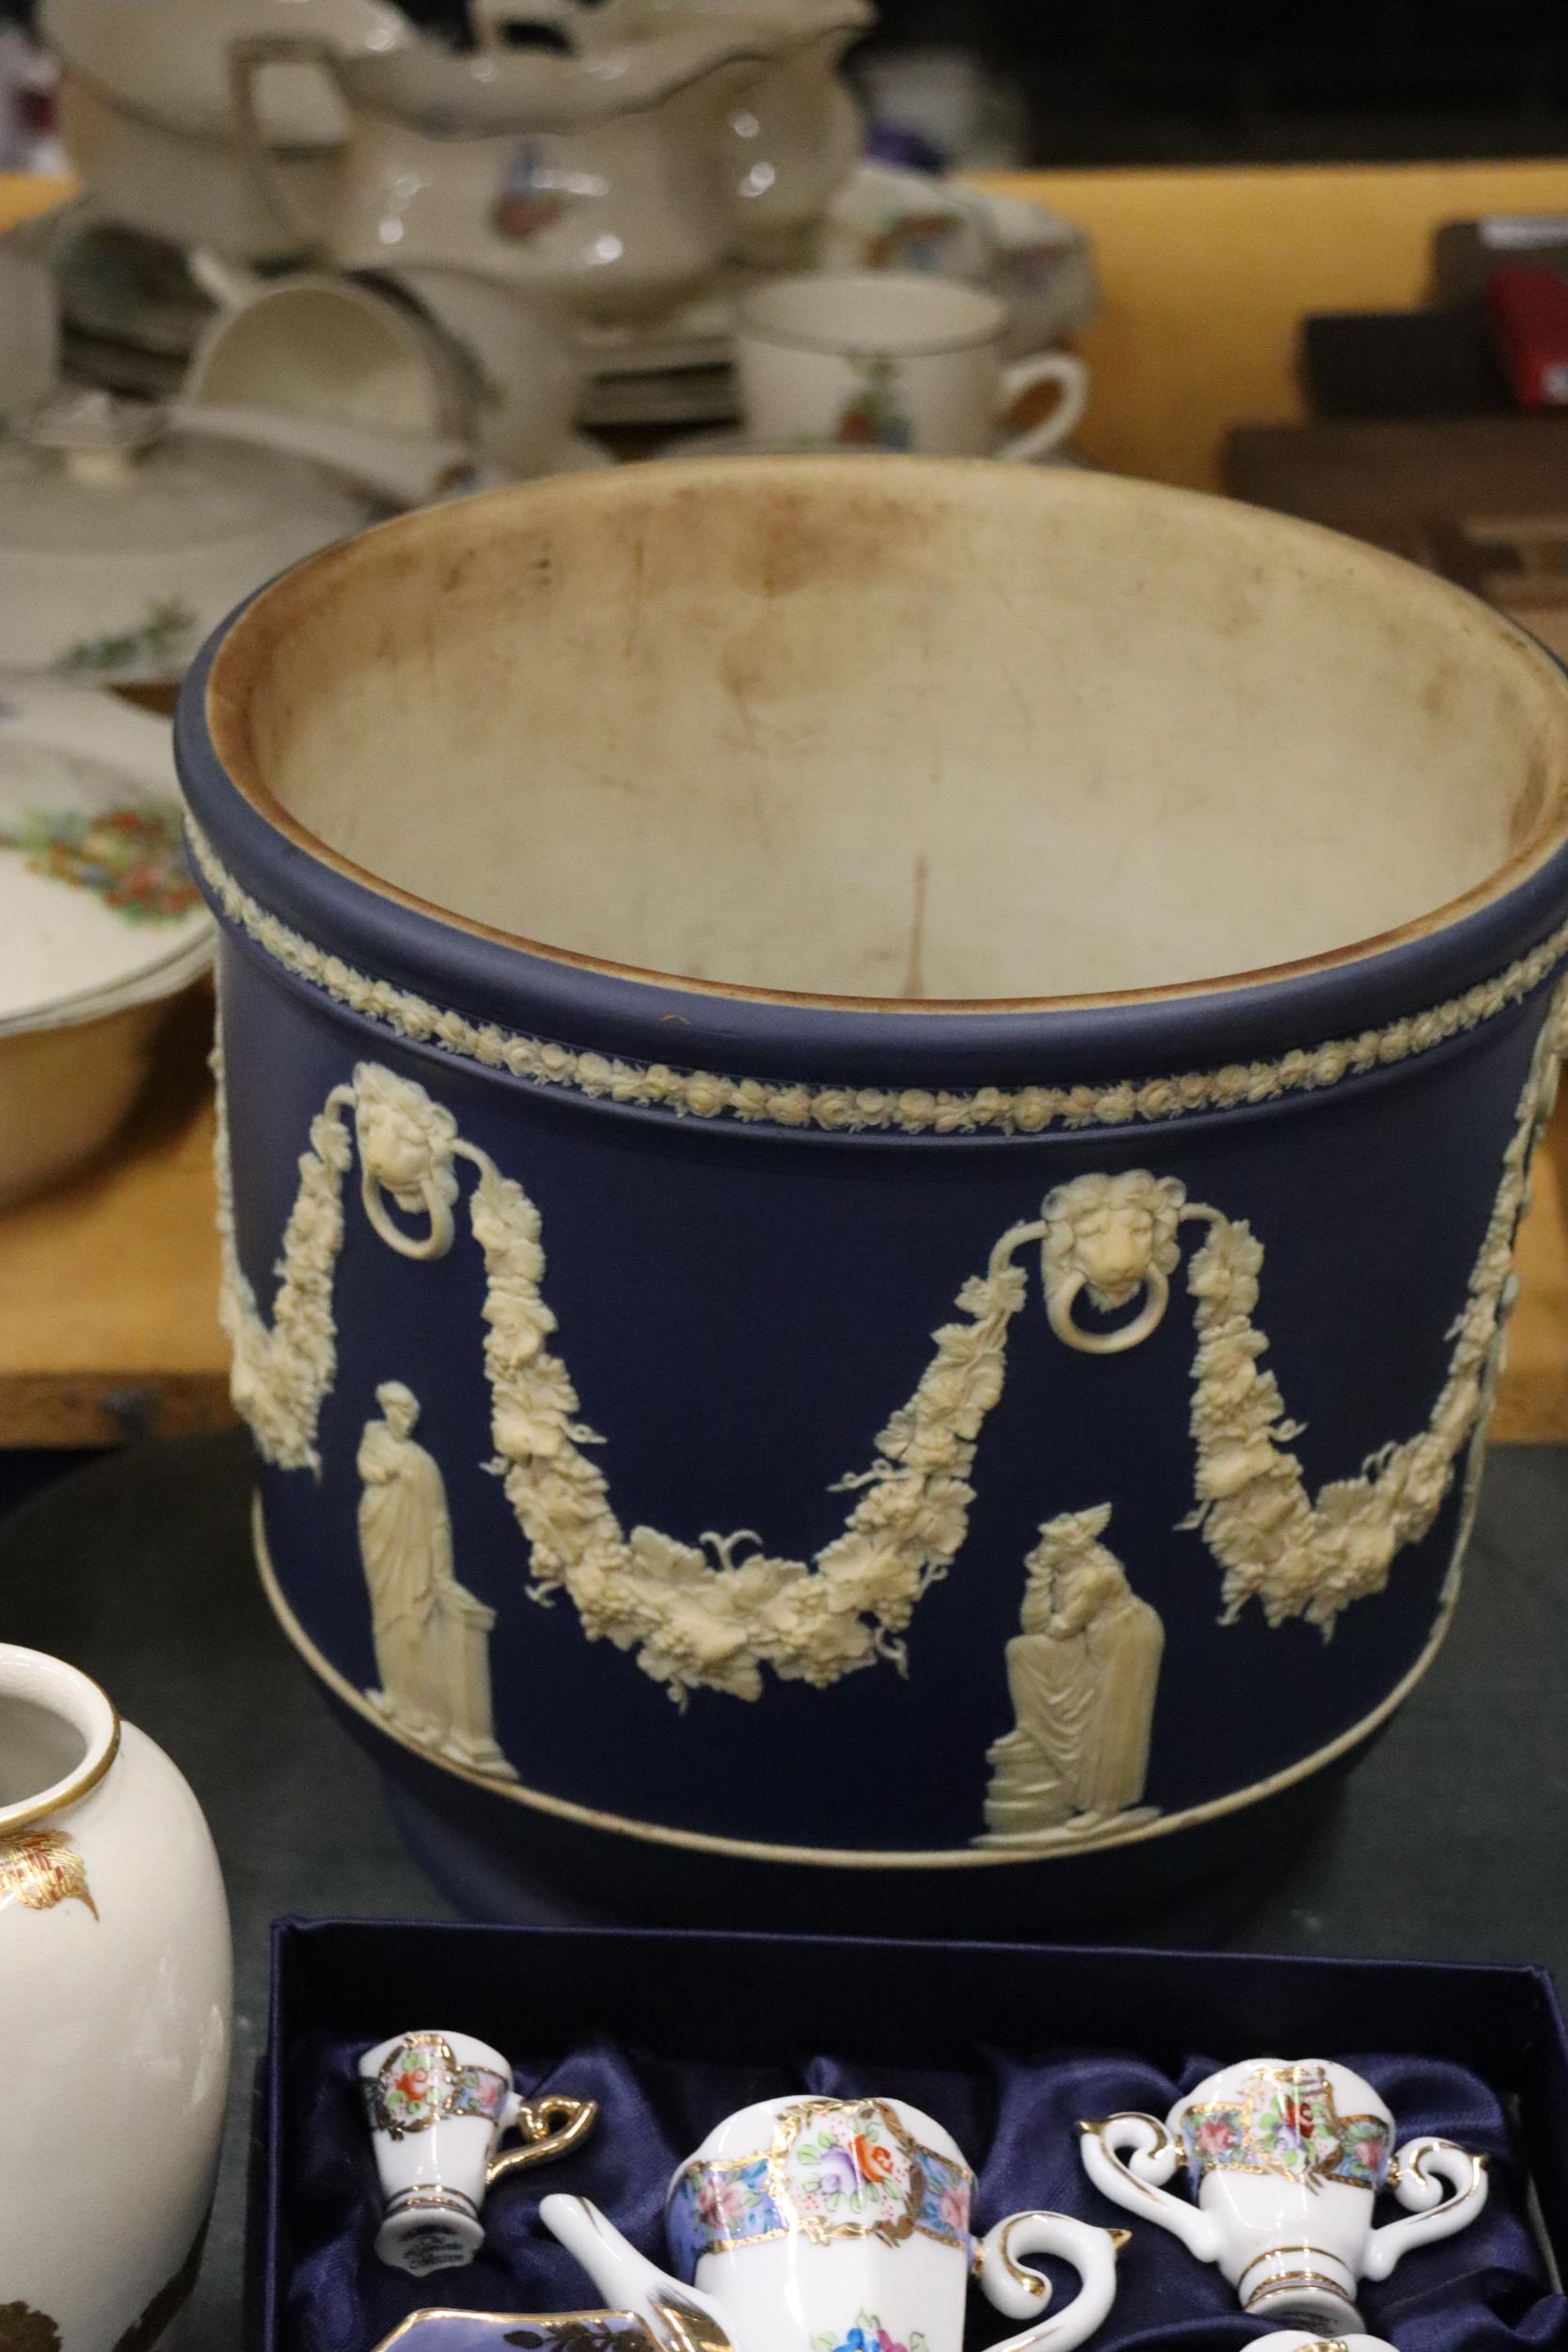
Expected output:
(438, 2106)
(1286, 2158)
(894, 359)
(841, 2225)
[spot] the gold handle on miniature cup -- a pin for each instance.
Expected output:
(551, 2127)
(1051, 367)
(1431, 2214)
(247, 59)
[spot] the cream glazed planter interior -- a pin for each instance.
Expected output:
(799, 2220)
(115, 1989)
(1082, 1091)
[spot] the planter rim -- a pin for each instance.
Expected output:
(394, 936)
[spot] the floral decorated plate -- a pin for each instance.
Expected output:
(97, 906)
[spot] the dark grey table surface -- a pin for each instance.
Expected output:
(1450, 1843)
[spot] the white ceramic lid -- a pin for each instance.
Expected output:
(97, 906)
(122, 547)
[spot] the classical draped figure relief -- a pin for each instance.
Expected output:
(1082, 1672)
(707, 1615)
(432, 1637)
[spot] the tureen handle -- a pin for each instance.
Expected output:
(489, 19)
(1022, 2293)
(246, 60)
(1137, 2180)
(1432, 2214)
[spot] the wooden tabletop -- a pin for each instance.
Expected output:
(107, 1285)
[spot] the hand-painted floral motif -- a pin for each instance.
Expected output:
(533, 195)
(133, 858)
(836, 2169)
(40, 1867)
(843, 2168)
(162, 642)
(1284, 2121)
(422, 2081)
(867, 2335)
(874, 415)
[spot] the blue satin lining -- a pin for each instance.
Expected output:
(1014, 2117)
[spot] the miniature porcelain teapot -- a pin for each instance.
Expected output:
(799, 2221)
(790, 137)
(1286, 2158)
(596, 179)
(145, 115)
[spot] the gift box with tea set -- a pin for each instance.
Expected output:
(946, 2057)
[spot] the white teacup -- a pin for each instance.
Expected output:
(438, 2104)
(799, 2222)
(1286, 2158)
(892, 360)
(315, 346)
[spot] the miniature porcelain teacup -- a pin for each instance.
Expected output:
(1285, 2157)
(438, 2104)
(839, 2225)
(892, 360)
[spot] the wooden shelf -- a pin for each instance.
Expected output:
(107, 1326)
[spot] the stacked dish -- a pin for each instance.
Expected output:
(100, 924)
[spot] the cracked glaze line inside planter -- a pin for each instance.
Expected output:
(897, 730)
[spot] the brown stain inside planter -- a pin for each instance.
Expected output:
(707, 723)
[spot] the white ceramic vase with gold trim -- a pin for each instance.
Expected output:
(115, 1982)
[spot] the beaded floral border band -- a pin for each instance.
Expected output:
(1284, 2121)
(909, 1111)
(836, 2169)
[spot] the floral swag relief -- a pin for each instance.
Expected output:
(700, 1615)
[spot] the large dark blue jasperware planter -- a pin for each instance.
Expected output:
(973, 1391)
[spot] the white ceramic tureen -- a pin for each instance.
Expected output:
(144, 108)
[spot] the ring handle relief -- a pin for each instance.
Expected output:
(1443, 2188)
(1129, 2157)
(1021, 2292)
(551, 2127)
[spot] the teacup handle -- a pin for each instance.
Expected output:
(1137, 2180)
(551, 2127)
(1433, 2215)
(1051, 367)
(247, 58)
(1021, 2292)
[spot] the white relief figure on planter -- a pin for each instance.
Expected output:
(432, 1637)
(1081, 1673)
(696, 1617)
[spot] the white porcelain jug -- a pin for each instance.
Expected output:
(790, 137)
(115, 1990)
(596, 180)
(803, 2225)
